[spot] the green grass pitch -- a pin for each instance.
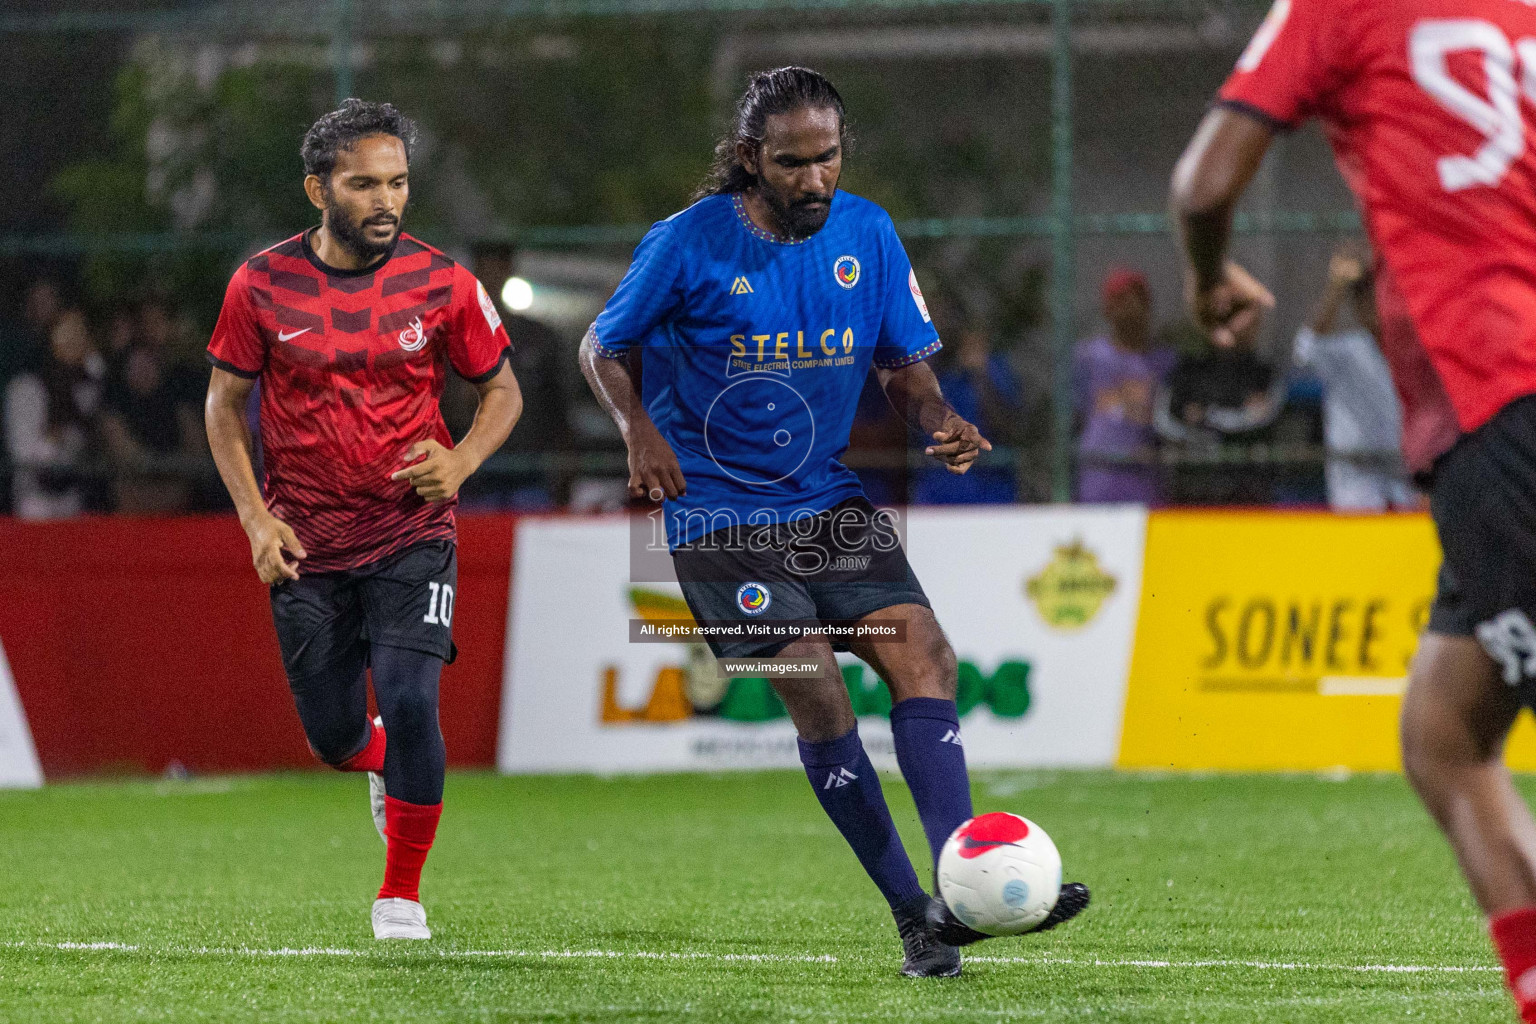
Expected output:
(725, 898)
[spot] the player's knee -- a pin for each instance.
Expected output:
(1436, 746)
(335, 747)
(412, 712)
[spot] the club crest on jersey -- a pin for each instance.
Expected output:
(413, 337)
(753, 598)
(846, 270)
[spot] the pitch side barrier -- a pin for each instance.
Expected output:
(1087, 636)
(1179, 640)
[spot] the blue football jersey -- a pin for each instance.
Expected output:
(755, 351)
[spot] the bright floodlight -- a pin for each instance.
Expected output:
(517, 294)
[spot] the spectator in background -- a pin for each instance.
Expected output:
(1362, 420)
(981, 386)
(145, 422)
(50, 422)
(24, 350)
(1115, 379)
(1221, 392)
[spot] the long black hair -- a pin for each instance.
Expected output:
(769, 92)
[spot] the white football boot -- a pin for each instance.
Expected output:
(376, 795)
(394, 918)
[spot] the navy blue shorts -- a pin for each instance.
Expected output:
(405, 600)
(835, 567)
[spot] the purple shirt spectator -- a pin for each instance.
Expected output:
(1114, 386)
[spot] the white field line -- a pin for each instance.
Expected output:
(773, 958)
(552, 954)
(1261, 965)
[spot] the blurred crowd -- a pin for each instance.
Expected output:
(1168, 416)
(102, 410)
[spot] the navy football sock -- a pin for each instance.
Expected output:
(927, 735)
(849, 790)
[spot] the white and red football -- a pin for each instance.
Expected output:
(1000, 874)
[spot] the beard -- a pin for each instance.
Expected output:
(801, 217)
(352, 235)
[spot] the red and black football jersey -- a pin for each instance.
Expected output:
(1429, 106)
(352, 364)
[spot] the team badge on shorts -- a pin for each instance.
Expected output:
(753, 598)
(846, 270)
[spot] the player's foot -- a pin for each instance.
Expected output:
(395, 918)
(924, 956)
(376, 794)
(1073, 900)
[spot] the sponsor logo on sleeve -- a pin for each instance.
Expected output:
(917, 296)
(492, 318)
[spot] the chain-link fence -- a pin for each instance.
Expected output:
(1024, 149)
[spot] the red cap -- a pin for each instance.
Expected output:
(1122, 279)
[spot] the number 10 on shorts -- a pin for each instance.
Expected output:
(439, 605)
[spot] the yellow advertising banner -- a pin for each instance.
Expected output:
(1279, 641)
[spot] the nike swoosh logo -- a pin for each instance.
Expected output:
(289, 337)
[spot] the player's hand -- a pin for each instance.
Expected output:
(1231, 309)
(653, 469)
(439, 473)
(270, 537)
(957, 444)
(1345, 269)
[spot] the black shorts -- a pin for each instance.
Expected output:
(1483, 498)
(406, 600)
(838, 566)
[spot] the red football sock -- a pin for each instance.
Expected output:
(1514, 935)
(371, 757)
(411, 829)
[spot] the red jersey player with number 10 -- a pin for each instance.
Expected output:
(350, 328)
(1429, 106)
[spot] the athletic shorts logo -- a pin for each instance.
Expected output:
(753, 598)
(413, 337)
(846, 270)
(917, 296)
(1510, 639)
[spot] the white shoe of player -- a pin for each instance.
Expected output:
(376, 803)
(394, 918)
(376, 795)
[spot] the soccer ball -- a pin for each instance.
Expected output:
(1000, 874)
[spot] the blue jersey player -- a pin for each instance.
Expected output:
(758, 312)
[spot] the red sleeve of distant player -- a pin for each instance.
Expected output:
(238, 344)
(1290, 65)
(477, 343)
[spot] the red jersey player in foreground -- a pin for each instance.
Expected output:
(350, 327)
(1428, 105)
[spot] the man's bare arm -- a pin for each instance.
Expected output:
(914, 393)
(230, 441)
(1210, 177)
(437, 472)
(653, 469)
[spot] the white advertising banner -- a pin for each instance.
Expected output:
(1039, 603)
(19, 768)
